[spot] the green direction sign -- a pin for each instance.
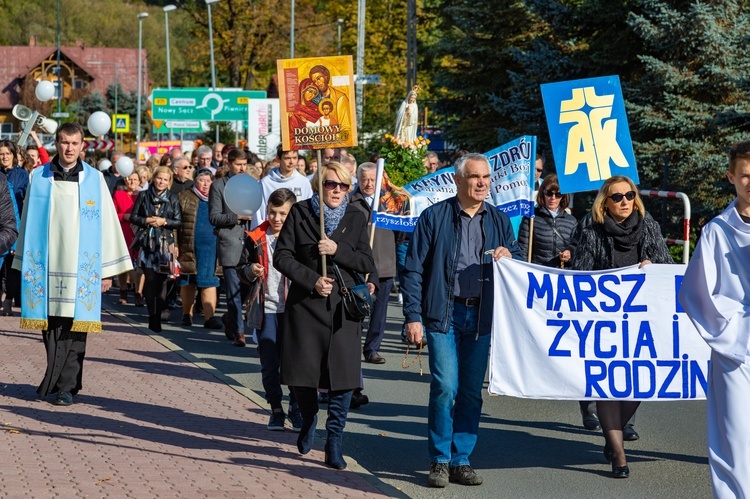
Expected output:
(202, 104)
(177, 126)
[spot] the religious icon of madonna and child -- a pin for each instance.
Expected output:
(318, 102)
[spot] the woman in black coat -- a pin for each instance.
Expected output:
(553, 227)
(157, 212)
(621, 234)
(321, 344)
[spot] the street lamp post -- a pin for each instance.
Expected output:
(339, 22)
(141, 17)
(167, 10)
(211, 45)
(58, 71)
(211, 42)
(291, 34)
(117, 84)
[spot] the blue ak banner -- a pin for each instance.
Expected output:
(589, 132)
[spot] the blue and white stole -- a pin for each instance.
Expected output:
(35, 274)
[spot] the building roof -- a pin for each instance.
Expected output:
(19, 61)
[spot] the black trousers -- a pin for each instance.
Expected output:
(11, 280)
(155, 291)
(65, 353)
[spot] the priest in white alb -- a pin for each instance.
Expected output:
(714, 294)
(69, 246)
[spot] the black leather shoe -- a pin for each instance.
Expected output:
(227, 333)
(591, 422)
(154, 323)
(358, 399)
(63, 398)
(375, 358)
(620, 471)
(212, 323)
(629, 434)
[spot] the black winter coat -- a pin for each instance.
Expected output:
(595, 249)
(547, 244)
(145, 207)
(8, 231)
(321, 345)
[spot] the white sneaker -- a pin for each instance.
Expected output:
(400, 299)
(165, 315)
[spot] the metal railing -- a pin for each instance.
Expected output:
(685, 241)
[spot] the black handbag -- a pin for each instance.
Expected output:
(357, 299)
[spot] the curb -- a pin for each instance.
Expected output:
(352, 464)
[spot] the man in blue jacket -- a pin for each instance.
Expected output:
(448, 283)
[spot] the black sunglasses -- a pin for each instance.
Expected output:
(617, 197)
(331, 185)
(553, 194)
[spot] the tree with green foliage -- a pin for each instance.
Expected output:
(688, 100)
(470, 63)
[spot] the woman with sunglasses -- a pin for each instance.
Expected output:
(321, 343)
(621, 234)
(553, 227)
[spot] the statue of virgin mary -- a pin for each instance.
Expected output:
(407, 117)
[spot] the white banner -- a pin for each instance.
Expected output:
(263, 127)
(615, 334)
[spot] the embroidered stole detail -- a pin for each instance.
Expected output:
(35, 272)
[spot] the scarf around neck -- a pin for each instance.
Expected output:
(201, 196)
(156, 198)
(626, 234)
(332, 216)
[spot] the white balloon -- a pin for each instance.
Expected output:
(45, 90)
(104, 165)
(99, 123)
(243, 195)
(124, 166)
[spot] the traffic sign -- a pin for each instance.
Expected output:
(367, 79)
(99, 145)
(202, 104)
(121, 123)
(179, 126)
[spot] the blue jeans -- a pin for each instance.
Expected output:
(400, 261)
(458, 362)
(269, 351)
(236, 294)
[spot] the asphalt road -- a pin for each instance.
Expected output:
(526, 448)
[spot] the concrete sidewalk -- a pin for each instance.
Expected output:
(148, 423)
